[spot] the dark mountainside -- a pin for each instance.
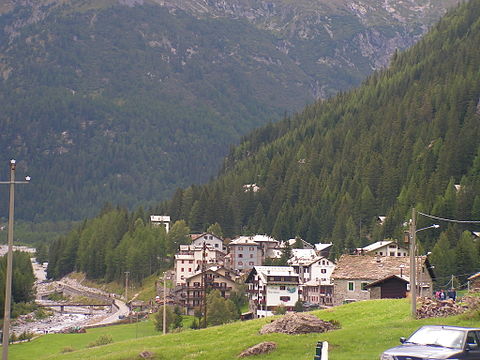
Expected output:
(409, 136)
(124, 101)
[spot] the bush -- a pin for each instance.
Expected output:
(42, 314)
(67, 349)
(25, 336)
(23, 308)
(280, 310)
(102, 340)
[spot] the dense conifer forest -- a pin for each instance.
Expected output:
(124, 101)
(408, 137)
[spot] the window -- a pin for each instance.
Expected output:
(381, 253)
(182, 269)
(399, 254)
(251, 263)
(189, 269)
(190, 261)
(240, 255)
(351, 286)
(282, 287)
(240, 248)
(240, 263)
(323, 271)
(392, 253)
(363, 286)
(216, 245)
(251, 248)
(182, 261)
(210, 237)
(251, 256)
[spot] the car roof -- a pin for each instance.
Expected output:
(451, 327)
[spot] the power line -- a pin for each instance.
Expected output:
(450, 220)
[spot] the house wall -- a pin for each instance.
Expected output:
(316, 271)
(210, 240)
(342, 293)
(245, 256)
(277, 294)
(184, 267)
(391, 250)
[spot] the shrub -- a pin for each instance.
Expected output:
(102, 340)
(280, 310)
(67, 349)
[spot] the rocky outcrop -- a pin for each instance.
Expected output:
(262, 348)
(298, 323)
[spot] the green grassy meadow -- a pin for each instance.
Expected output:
(367, 328)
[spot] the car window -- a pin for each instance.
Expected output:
(450, 338)
(472, 338)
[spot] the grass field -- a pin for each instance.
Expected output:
(367, 328)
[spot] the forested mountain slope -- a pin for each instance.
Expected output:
(124, 101)
(404, 138)
(409, 136)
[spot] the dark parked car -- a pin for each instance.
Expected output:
(432, 342)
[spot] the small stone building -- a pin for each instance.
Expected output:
(365, 277)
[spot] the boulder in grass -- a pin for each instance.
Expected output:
(146, 355)
(298, 323)
(262, 348)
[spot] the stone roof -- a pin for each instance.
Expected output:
(371, 267)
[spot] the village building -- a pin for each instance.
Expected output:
(249, 251)
(314, 275)
(270, 287)
(210, 240)
(191, 294)
(368, 277)
(309, 266)
(383, 248)
(160, 220)
(188, 260)
(316, 293)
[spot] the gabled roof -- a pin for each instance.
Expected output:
(291, 242)
(264, 271)
(377, 245)
(198, 236)
(243, 240)
(303, 257)
(253, 240)
(374, 267)
(321, 247)
(404, 279)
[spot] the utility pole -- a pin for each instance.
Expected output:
(204, 281)
(8, 282)
(164, 303)
(126, 287)
(413, 283)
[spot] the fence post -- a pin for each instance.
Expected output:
(321, 351)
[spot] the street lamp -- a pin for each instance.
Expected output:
(8, 280)
(413, 238)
